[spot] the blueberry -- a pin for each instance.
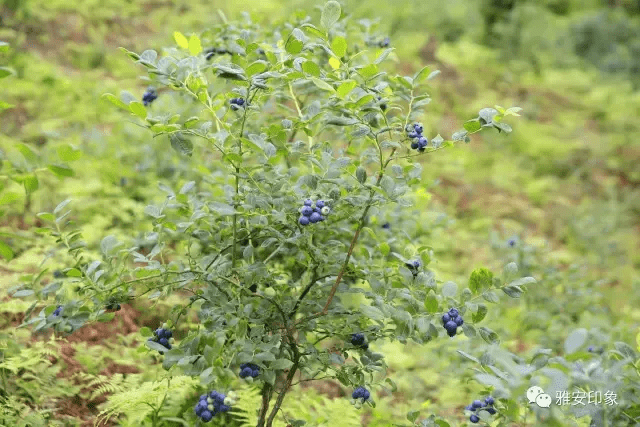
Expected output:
(206, 416)
(412, 135)
(385, 42)
(451, 325)
(167, 333)
(224, 408)
(416, 264)
(452, 333)
(118, 307)
(423, 142)
(306, 211)
(459, 321)
(489, 400)
(491, 411)
(308, 202)
(303, 220)
(357, 339)
(315, 217)
(164, 342)
(240, 101)
(474, 418)
(386, 225)
(246, 372)
(477, 404)
(320, 204)
(255, 373)
(453, 312)
(418, 128)
(58, 274)
(415, 145)
(57, 311)
(590, 349)
(469, 408)
(512, 242)
(445, 318)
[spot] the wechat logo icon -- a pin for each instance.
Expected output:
(537, 395)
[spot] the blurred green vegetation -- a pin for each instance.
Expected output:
(566, 182)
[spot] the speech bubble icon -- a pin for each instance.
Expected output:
(543, 400)
(533, 392)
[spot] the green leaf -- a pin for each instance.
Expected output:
(433, 74)
(9, 197)
(5, 251)
(346, 87)
(27, 153)
(73, 272)
(68, 154)
(282, 364)
(256, 67)
(488, 335)
(5, 105)
(371, 312)
(523, 281)
(339, 46)
(481, 278)
(312, 68)
(513, 291)
(61, 170)
(194, 45)
(322, 84)
(46, 216)
(472, 125)
(468, 356)
(61, 206)
(311, 29)
(575, 340)
(480, 314)
(431, 303)
(491, 296)
(114, 100)
(181, 144)
(413, 415)
(23, 293)
(265, 356)
(181, 40)
(330, 14)
(4, 72)
(449, 289)
(422, 74)
(30, 183)
(138, 109)
(361, 175)
(383, 55)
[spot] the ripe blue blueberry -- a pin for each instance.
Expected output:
(306, 210)
(164, 342)
(357, 339)
(491, 411)
(149, 96)
(412, 135)
(308, 202)
(320, 204)
(453, 312)
(477, 404)
(385, 42)
(361, 393)
(489, 400)
(445, 318)
(206, 416)
(303, 220)
(474, 418)
(423, 141)
(386, 225)
(415, 145)
(418, 127)
(469, 408)
(57, 311)
(315, 217)
(459, 321)
(246, 372)
(512, 242)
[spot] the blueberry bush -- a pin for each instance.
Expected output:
(286, 118)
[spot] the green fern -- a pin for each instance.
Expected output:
(137, 401)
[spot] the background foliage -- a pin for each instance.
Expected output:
(564, 186)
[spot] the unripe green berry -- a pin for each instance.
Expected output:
(353, 401)
(209, 400)
(210, 407)
(270, 292)
(171, 340)
(358, 405)
(165, 326)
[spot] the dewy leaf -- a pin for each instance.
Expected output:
(330, 14)
(181, 40)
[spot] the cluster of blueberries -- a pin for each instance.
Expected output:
(451, 320)
(149, 96)
(57, 311)
(212, 403)
(249, 370)
(359, 340)
(414, 132)
(313, 214)
(236, 103)
(116, 307)
(476, 405)
(163, 337)
(359, 396)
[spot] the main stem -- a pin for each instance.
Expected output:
(237, 195)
